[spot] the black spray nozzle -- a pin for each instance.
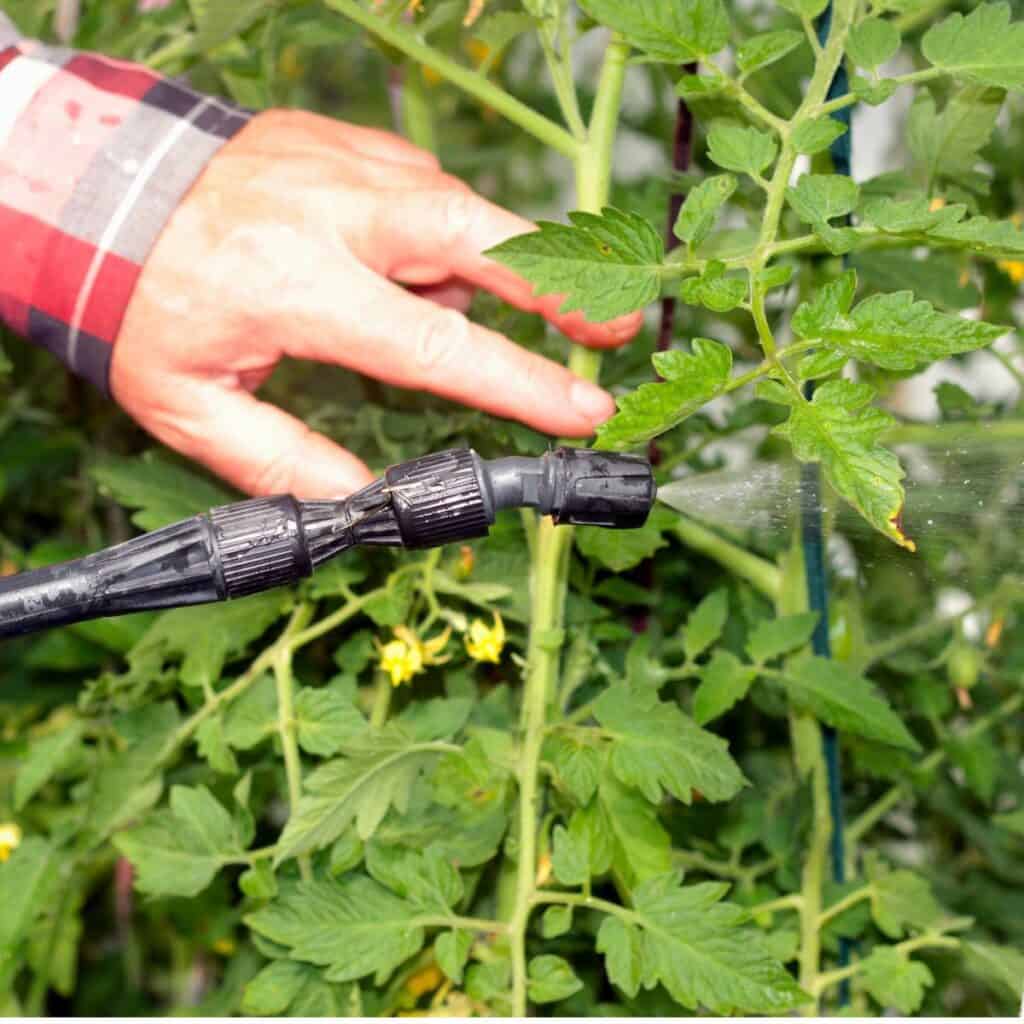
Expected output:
(251, 546)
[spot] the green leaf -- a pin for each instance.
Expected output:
(26, 880)
(424, 878)
(983, 47)
(655, 746)
(253, 716)
(901, 900)
(713, 289)
(577, 765)
(893, 980)
(625, 835)
(691, 381)
(178, 852)
(379, 773)
(723, 682)
(451, 950)
(816, 136)
(277, 987)
(1012, 821)
(499, 30)
(737, 147)
(818, 198)
(871, 91)
(161, 491)
(700, 209)
(705, 623)
(212, 745)
(1001, 966)
(821, 364)
(556, 921)
(839, 429)
(620, 550)
(840, 697)
(570, 853)
(46, 757)
(873, 42)
(325, 720)
(353, 928)
(771, 638)
(698, 948)
(761, 50)
(258, 882)
(673, 31)
(894, 331)
(217, 23)
(550, 978)
(605, 265)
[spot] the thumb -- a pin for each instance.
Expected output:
(255, 446)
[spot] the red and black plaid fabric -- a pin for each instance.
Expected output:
(95, 155)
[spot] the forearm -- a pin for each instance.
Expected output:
(95, 155)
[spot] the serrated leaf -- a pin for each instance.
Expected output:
(901, 900)
(258, 882)
(873, 42)
(212, 745)
(576, 763)
(674, 32)
(451, 950)
(570, 854)
(378, 774)
(872, 92)
(178, 852)
(983, 46)
(26, 879)
(655, 747)
(723, 682)
(497, 31)
(46, 757)
(737, 147)
(714, 289)
(698, 948)
(840, 697)
(691, 381)
(816, 136)
(161, 491)
(625, 835)
(896, 332)
(550, 978)
(253, 716)
(276, 987)
(705, 623)
(761, 50)
(893, 980)
(700, 209)
(325, 721)
(820, 364)
(819, 198)
(605, 265)
(771, 638)
(353, 928)
(839, 429)
(425, 878)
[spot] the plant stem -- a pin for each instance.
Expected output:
(907, 947)
(755, 570)
(381, 700)
(405, 40)
(843, 905)
(286, 725)
(417, 112)
(550, 563)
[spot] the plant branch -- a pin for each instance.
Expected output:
(757, 571)
(480, 87)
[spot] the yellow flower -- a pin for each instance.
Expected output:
(407, 655)
(485, 643)
(1014, 269)
(10, 839)
(937, 203)
(225, 946)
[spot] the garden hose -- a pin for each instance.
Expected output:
(250, 546)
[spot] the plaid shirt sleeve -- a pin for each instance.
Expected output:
(95, 155)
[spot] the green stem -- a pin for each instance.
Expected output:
(417, 111)
(851, 900)
(550, 563)
(794, 901)
(404, 39)
(287, 729)
(951, 433)
(381, 700)
(754, 569)
(560, 69)
(906, 948)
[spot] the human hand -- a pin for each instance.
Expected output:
(289, 245)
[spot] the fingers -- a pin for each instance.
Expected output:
(454, 226)
(257, 447)
(397, 337)
(452, 293)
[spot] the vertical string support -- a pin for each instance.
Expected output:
(812, 540)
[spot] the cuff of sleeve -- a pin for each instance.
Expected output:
(131, 144)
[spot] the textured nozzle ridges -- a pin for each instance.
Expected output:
(259, 544)
(440, 498)
(331, 527)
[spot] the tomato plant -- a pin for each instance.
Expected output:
(575, 773)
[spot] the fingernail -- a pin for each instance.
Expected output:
(591, 401)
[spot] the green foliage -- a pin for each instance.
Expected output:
(627, 813)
